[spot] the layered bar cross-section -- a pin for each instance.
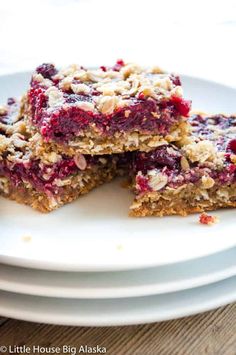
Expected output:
(199, 176)
(106, 110)
(31, 172)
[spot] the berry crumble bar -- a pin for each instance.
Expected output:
(106, 110)
(198, 177)
(31, 172)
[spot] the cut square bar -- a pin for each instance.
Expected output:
(106, 110)
(198, 177)
(31, 172)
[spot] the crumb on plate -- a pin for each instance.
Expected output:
(207, 219)
(26, 238)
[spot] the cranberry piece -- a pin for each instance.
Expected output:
(175, 80)
(11, 101)
(103, 68)
(47, 70)
(141, 96)
(182, 106)
(119, 64)
(232, 146)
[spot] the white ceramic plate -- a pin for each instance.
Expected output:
(117, 311)
(95, 233)
(151, 281)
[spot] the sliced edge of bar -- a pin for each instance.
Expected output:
(198, 176)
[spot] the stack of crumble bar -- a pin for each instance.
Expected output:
(75, 127)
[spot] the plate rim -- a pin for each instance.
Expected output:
(136, 315)
(56, 266)
(45, 283)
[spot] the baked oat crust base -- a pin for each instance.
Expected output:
(42, 202)
(190, 199)
(125, 142)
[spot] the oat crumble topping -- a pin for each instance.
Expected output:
(131, 80)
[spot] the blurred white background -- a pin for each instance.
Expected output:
(191, 37)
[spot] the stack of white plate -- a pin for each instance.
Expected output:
(90, 264)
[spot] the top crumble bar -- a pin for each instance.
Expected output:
(108, 109)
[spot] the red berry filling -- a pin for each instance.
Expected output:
(43, 177)
(142, 183)
(157, 159)
(67, 121)
(167, 159)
